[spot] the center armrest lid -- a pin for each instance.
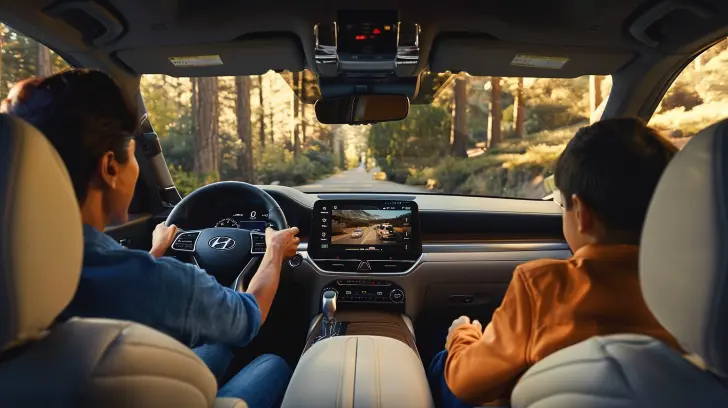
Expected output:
(359, 371)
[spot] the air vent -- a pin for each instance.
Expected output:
(336, 265)
(390, 266)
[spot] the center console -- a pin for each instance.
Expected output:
(358, 358)
(359, 371)
(361, 349)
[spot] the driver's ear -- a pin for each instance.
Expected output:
(108, 170)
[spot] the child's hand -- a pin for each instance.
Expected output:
(461, 321)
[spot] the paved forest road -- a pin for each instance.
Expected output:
(368, 237)
(357, 180)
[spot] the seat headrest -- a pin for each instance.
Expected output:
(41, 237)
(684, 250)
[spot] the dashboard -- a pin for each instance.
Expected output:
(411, 252)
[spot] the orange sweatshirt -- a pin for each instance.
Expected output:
(549, 305)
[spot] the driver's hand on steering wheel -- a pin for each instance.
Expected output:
(162, 239)
(284, 242)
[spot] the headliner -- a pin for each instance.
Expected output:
(279, 35)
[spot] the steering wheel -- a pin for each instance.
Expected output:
(226, 253)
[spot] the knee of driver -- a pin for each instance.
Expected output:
(274, 363)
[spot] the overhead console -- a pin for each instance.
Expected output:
(366, 42)
(366, 236)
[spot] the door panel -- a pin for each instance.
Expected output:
(135, 233)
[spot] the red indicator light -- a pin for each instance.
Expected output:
(376, 31)
(360, 37)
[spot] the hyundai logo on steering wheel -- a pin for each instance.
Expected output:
(221, 243)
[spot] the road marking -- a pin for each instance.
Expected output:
(367, 237)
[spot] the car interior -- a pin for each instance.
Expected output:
(360, 326)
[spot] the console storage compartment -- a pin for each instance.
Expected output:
(359, 371)
(370, 323)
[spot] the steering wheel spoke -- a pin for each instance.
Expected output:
(250, 268)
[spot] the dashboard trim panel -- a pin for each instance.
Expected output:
(451, 253)
(495, 247)
(322, 271)
(483, 247)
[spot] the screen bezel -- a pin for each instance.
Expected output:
(396, 252)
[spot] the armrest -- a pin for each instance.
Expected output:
(359, 371)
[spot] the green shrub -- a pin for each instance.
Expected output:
(420, 177)
(496, 173)
(681, 94)
(550, 116)
(279, 166)
(187, 182)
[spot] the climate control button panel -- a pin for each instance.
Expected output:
(370, 291)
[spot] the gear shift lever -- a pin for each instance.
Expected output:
(328, 309)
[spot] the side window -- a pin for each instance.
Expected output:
(23, 57)
(698, 97)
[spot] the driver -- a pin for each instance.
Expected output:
(87, 118)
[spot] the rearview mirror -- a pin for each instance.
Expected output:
(361, 109)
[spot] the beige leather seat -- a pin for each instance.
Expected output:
(83, 362)
(684, 277)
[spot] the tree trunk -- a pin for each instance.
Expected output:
(296, 116)
(519, 110)
(245, 131)
(215, 136)
(194, 103)
(303, 122)
(595, 93)
(302, 106)
(496, 135)
(2, 43)
(261, 134)
(207, 156)
(44, 61)
(271, 122)
(460, 128)
(342, 154)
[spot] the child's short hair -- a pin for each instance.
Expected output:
(614, 166)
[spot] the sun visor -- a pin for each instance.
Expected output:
(488, 57)
(253, 56)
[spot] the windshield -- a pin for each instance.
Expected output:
(485, 136)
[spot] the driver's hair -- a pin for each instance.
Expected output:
(83, 113)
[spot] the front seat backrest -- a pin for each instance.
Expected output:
(82, 362)
(684, 277)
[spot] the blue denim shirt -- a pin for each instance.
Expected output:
(173, 297)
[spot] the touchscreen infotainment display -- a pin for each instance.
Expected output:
(365, 229)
